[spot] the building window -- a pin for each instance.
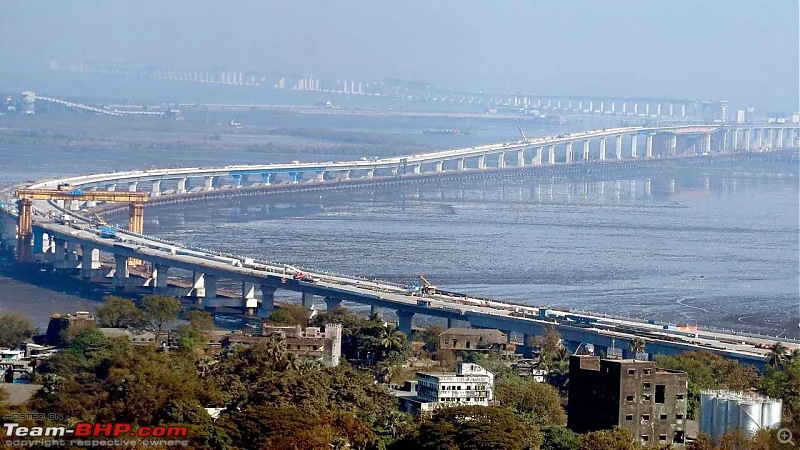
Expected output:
(629, 417)
(647, 385)
(678, 416)
(629, 398)
(645, 438)
(648, 371)
(661, 393)
(678, 439)
(631, 371)
(663, 417)
(646, 397)
(645, 417)
(662, 438)
(679, 397)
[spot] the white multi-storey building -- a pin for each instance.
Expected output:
(471, 384)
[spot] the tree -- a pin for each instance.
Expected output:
(549, 342)
(160, 309)
(289, 315)
(14, 329)
(200, 320)
(118, 312)
(538, 404)
(430, 337)
(560, 438)
(393, 340)
(475, 427)
(613, 439)
(776, 355)
(637, 345)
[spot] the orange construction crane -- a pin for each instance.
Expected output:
(66, 192)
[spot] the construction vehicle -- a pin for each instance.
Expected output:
(107, 232)
(412, 288)
(302, 276)
(427, 287)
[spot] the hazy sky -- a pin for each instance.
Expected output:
(745, 51)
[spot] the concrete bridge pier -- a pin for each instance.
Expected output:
(586, 150)
(481, 162)
(618, 144)
(181, 186)
(265, 178)
(209, 184)
(649, 145)
(345, 175)
(120, 272)
(267, 301)
(375, 310)
(570, 153)
(198, 289)
(160, 273)
(520, 158)
(38, 243)
(748, 139)
(60, 254)
(439, 166)
(501, 160)
(460, 164)
(551, 155)
(527, 340)
(155, 189)
(295, 176)
(249, 301)
(90, 261)
(602, 149)
(308, 300)
(133, 186)
(416, 168)
(320, 176)
(537, 160)
(707, 143)
(332, 303)
(404, 319)
(634, 145)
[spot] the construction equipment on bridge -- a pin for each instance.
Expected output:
(427, 287)
(68, 193)
(107, 232)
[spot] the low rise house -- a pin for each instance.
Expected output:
(324, 345)
(463, 340)
(470, 384)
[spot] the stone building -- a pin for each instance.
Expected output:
(649, 402)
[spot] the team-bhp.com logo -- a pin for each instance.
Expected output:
(90, 432)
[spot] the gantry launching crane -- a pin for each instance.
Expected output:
(427, 287)
(66, 192)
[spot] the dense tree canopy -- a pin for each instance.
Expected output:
(159, 309)
(289, 315)
(118, 312)
(538, 404)
(475, 428)
(14, 329)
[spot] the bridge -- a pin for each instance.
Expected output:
(554, 104)
(75, 243)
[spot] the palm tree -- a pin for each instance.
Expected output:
(637, 345)
(561, 361)
(308, 366)
(543, 361)
(276, 348)
(776, 355)
(393, 340)
(292, 362)
(794, 356)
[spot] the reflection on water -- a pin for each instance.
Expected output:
(716, 245)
